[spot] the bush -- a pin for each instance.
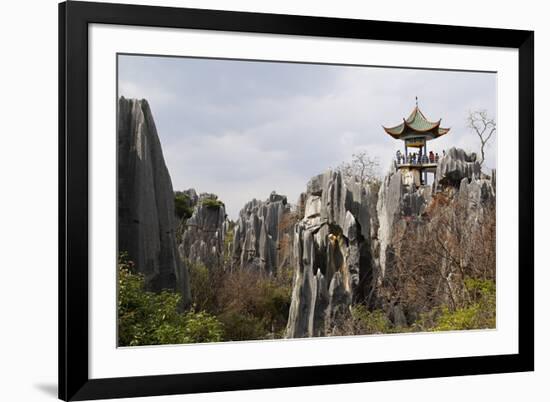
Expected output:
(204, 284)
(273, 305)
(361, 321)
(240, 326)
(479, 313)
(370, 322)
(146, 318)
(212, 203)
(182, 203)
(250, 304)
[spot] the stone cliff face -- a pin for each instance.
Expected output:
(459, 193)
(332, 250)
(259, 233)
(147, 221)
(457, 173)
(203, 234)
(455, 166)
(347, 245)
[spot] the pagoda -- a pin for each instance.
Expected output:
(415, 131)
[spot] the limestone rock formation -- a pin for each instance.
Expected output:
(146, 214)
(456, 165)
(459, 189)
(203, 234)
(458, 172)
(397, 199)
(257, 233)
(347, 247)
(332, 254)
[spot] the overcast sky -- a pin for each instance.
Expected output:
(242, 129)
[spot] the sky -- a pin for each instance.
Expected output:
(242, 129)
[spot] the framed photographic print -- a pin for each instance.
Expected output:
(258, 200)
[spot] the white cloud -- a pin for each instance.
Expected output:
(243, 129)
(154, 95)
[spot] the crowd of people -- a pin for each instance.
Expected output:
(417, 158)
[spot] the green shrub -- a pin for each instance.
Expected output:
(212, 203)
(480, 313)
(273, 305)
(182, 203)
(201, 327)
(204, 285)
(147, 318)
(369, 322)
(240, 326)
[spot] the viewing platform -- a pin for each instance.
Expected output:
(428, 166)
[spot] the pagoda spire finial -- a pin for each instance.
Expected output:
(416, 99)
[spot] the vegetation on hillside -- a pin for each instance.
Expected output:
(249, 304)
(227, 306)
(146, 318)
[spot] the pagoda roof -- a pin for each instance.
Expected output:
(417, 123)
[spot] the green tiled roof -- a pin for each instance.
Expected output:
(418, 123)
(395, 130)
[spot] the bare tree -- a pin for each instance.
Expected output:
(433, 260)
(483, 126)
(362, 168)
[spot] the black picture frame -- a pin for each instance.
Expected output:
(74, 18)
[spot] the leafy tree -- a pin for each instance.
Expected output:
(146, 318)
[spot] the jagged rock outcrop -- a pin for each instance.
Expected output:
(146, 214)
(203, 235)
(332, 250)
(459, 193)
(456, 165)
(457, 171)
(347, 245)
(397, 199)
(257, 233)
